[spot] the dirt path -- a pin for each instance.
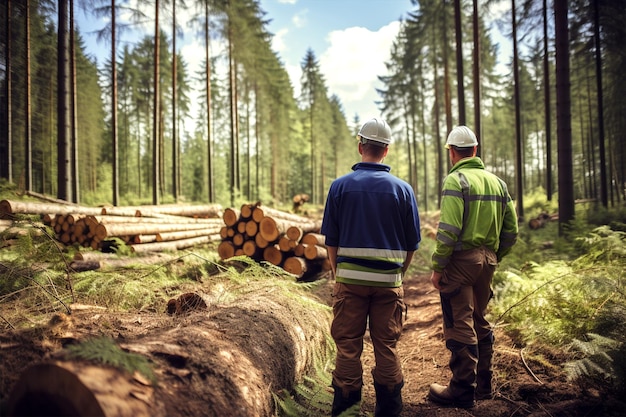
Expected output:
(425, 360)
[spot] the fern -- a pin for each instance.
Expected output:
(597, 363)
(104, 351)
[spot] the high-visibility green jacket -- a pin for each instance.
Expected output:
(476, 210)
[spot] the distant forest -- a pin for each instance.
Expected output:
(114, 132)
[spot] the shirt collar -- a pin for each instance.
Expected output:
(371, 166)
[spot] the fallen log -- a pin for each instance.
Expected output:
(185, 234)
(104, 231)
(171, 245)
(188, 210)
(261, 212)
(77, 389)
(8, 208)
(224, 360)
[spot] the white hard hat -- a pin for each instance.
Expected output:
(377, 131)
(461, 137)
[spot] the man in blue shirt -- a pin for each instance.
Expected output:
(371, 225)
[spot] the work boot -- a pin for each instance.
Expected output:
(344, 400)
(484, 371)
(460, 390)
(388, 400)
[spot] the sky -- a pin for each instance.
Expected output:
(351, 40)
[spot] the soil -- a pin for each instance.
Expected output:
(527, 381)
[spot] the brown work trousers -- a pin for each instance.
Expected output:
(353, 305)
(465, 293)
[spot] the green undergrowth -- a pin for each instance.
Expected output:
(575, 299)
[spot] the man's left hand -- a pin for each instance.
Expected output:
(435, 278)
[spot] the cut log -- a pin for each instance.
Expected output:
(185, 234)
(172, 245)
(299, 249)
(238, 240)
(261, 211)
(295, 233)
(252, 228)
(188, 210)
(273, 255)
(160, 220)
(314, 239)
(284, 244)
(120, 211)
(230, 217)
(77, 389)
(312, 252)
(146, 238)
(226, 249)
(260, 241)
(271, 229)
(122, 229)
(296, 265)
(10, 207)
(250, 249)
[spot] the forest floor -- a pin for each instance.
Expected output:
(527, 381)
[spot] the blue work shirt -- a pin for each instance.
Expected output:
(372, 218)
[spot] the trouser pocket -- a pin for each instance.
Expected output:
(446, 307)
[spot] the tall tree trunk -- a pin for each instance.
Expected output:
(209, 110)
(28, 137)
(437, 124)
(425, 147)
(234, 134)
(446, 74)
(476, 73)
(563, 116)
(74, 118)
(460, 87)
(156, 154)
(175, 177)
(603, 177)
(64, 172)
(546, 100)
(6, 156)
(519, 166)
(114, 138)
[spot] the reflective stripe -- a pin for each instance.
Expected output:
(446, 240)
(374, 253)
(368, 276)
(452, 193)
(450, 228)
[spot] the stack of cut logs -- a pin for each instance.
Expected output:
(284, 239)
(144, 228)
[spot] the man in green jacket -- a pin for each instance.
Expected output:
(477, 228)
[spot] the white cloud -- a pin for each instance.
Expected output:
(299, 20)
(352, 63)
(278, 40)
(288, 1)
